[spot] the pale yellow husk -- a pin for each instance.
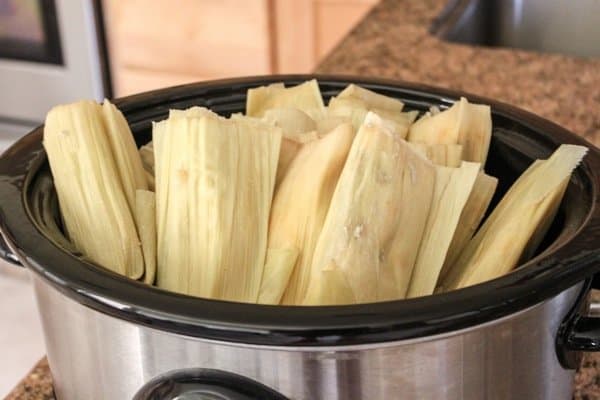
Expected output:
(448, 155)
(90, 190)
(467, 124)
(452, 189)
(301, 203)
(356, 109)
(330, 122)
(500, 243)
(278, 268)
(290, 146)
(306, 97)
(214, 185)
(470, 218)
(125, 152)
(369, 239)
(145, 219)
(370, 98)
(292, 121)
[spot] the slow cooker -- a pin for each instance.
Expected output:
(516, 337)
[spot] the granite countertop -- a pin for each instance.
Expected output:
(393, 42)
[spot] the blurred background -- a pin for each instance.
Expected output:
(55, 51)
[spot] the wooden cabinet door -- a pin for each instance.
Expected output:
(162, 43)
(307, 30)
(165, 42)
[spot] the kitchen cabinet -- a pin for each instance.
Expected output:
(160, 43)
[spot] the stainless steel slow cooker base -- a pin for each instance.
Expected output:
(95, 356)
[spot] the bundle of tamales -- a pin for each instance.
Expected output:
(296, 202)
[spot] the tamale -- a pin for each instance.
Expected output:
(290, 146)
(371, 99)
(448, 155)
(467, 124)
(470, 218)
(92, 200)
(125, 152)
(290, 120)
(452, 189)
(369, 237)
(194, 111)
(306, 97)
(330, 122)
(147, 157)
(145, 220)
(278, 268)
(357, 110)
(330, 286)
(301, 203)
(498, 246)
(214, 185)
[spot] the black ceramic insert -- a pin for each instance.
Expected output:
(571, 253)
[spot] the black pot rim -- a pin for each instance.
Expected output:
(566, 262)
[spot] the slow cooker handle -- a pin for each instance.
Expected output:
(208, 384)
(6, 253)
(579, 331)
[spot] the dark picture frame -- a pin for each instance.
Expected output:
(49, 51)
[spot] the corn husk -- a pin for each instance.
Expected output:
(305, 97)
(292, 121)
(147, 157)
(498, 246)
(290, 146)
(356, 110)
(331, 287)
(467, 124)
(369, 240)
(447, 155)
(452, 189)
(93, 201)
(470, 218)
(279, 265)
(370, 99)
(330, 122)
(301, 203)
(145, 220)
(214, 184)
(194, 111)
(125, 152)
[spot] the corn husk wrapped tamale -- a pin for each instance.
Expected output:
(305, 97)
(90, 187)
(297, 128)
(145, 220)
(500, 243)
(470, 218)
(292, 121)
(467, 124)
(447, 155)
(293, 137)
(278, 268)
(330, 122)
(125, 152)
(214, 184)
(452, 189)
(290, 146)
(147, 157)
(357, 109)
(369, 240)
(370, 99)
(300, 206)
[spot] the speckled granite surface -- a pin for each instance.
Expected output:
(393, 42)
